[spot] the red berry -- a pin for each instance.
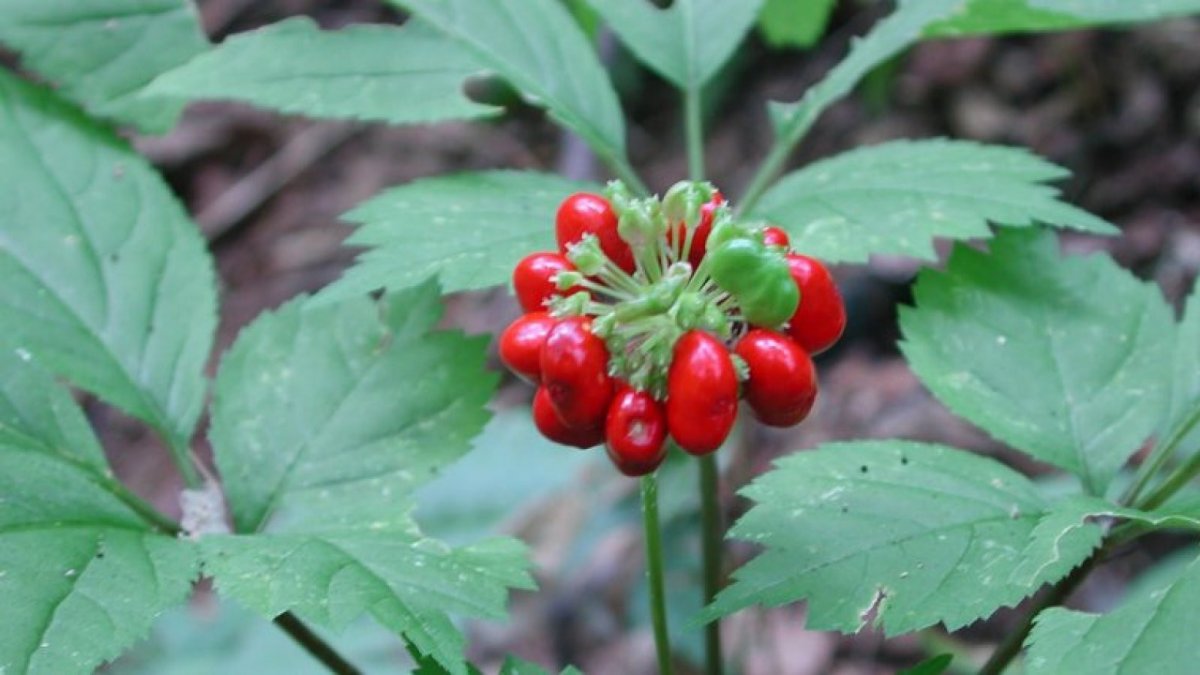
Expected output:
(821, 316)
(783, 383)
(582, 214)
(550, 426)
(775, 236)
(521, 344)
(702, 390)
(534, 279)
(575, 373)
(636, 428)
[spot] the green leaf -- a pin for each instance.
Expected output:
(399, 75)
(408, 583)
(1012, 16)
(325, 420)
(897, 197)
(35, 412)
(1153, 632)
(79, 565)
(914, 534)
(83, 572)
(470, 228)
(1182, 423)
(886, 39)
(1021, 343)
(538, 47)
(344, 408)
(794, 23)
(103, 279)
(1068, 533)
(101, 53)
(688, 42)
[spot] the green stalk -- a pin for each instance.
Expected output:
(710, 514)
(1161, 455)
(773, 165)
(654, 573)
(314, 645)
(1174, 483)
(694, 128)
(184, 460)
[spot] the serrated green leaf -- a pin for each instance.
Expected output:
(1065, 358)
(1068, 533)
(36, 412)
(101, 53)
(83, 572)
(688, 42)
(914, 533)
(538, 47)
(103, 279)
(1153, 632)
(897, 197)
(980, 17)
(325, 420)
(889, 37)
(344, 408)
(471, 229)
(794, 23)
(408, 583)
(400, 75)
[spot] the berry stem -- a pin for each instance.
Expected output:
(617, 278)
(711, 526)
(609, 290)
(654, 572)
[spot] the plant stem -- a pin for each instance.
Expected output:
(143, 509)
(1156, 461)
(181, 455)
(694, 128)
(654, 572)
(771, 167)
(710, 514)
(1174, 483)
(1011, 646)
(314, 645)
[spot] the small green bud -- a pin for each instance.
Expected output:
(575, 304)
(602, 326)
(641, 223)
(689, 310)
(681, 203)
(567, 280)
(619, 195)
(587, 256)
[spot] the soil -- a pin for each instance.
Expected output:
(1120, 109)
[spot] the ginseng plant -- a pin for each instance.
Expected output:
(647, 318)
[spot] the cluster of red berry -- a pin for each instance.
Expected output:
(606, 337)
